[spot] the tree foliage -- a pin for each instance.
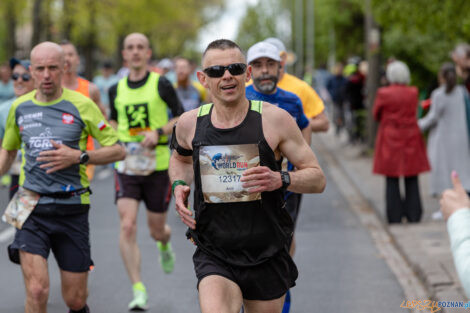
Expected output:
(98, 27)
(419, 32)
(258, 23)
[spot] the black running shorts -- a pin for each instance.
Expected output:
(67, 237)
(153, 189)
(267, 281)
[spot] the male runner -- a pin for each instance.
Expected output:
(85, 87)
(265, 68)
(267, 65)
(53, 123)
(240, 226)
(313, 105)
(139, 104)
(73, 81)
(22, 84)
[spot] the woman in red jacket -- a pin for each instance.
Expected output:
(399, 148)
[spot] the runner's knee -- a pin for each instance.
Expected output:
(76, 299)
(37, 291)
(128, 228)
(158, 233)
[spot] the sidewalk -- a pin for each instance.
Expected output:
(425, 246)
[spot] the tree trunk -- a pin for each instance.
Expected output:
(10, 22)
(90, 44)
(37, 23)
(46, 21)
(372, 38)
(67, 22)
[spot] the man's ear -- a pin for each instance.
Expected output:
(202, 79)
(248, 73)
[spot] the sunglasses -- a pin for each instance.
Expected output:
(25, 76)
(219, 70)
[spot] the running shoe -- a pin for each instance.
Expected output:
(139, 303)
(166, 258)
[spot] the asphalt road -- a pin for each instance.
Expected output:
(340, 269)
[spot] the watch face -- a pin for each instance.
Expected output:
(285, 179)
(84, 157)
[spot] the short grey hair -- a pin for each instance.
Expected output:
(398, 73)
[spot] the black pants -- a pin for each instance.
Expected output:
(409, 206)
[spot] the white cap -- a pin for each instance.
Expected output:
(277, 42)
(165, 64)
(263, 49)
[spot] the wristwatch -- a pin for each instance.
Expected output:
(285, 178)
(84, 157)
(160, 132)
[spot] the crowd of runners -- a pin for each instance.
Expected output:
(237, 139)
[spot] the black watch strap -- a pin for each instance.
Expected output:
(285, 178)
(160, 131)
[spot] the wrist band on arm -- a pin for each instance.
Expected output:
(176, 183)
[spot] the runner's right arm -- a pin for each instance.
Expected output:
(6, 160)
(181, 165)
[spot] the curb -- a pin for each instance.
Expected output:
(408, 278)
(433, 281)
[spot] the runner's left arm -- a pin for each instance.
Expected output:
(62, 156)
(308, 178)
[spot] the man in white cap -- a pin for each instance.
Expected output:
(313, 105)
(266, 66)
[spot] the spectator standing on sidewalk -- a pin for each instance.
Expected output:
(399, 148)
(335, 86)
(448, 141)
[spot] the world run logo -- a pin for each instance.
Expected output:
(224, 161)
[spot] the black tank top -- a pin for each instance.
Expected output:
(239, 233)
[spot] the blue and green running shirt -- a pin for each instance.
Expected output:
(67, 120)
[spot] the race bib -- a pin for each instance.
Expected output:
(221, 169)
(20, 207)
(139, 160)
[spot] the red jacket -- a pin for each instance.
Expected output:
(399, 147)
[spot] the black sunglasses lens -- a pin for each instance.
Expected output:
(237, 68)
(219, 70)
(215, 71)
(25, 77)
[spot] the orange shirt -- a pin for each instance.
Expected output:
(83, 87)
(312, 103)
